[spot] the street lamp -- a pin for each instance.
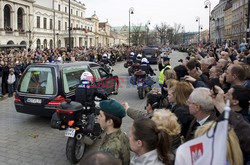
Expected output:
(199, 27)
(69, 28)
(148, 23)
(208, 5)
(130, 11)
(183, 32)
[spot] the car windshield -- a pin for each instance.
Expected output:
(71, 76)
(38, 80)
(149, 51)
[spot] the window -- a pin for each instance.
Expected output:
(66, 10)
(59, 25)
(38, 80)
(71, 11)
(76, 13)
(71, 77)
(81, 14)
(38, 22)
(59, 7)
(76, 25)
(45, 23)
(66, 27)
(103, 74)
(50, 24)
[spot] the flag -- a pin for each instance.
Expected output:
(209, 149)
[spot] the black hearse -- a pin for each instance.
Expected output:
(43, 87)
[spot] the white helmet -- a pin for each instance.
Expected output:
(87, 78)
(105, 56)
(132, 54)
(144, 60)
(60, 59)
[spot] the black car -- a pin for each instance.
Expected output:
(151, 54)
(43, 87)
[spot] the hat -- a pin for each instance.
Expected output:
(166, 58)
(113, 107)
(11, 70)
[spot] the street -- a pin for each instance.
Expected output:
(27, 139)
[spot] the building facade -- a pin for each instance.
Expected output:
(46, 24)
(228, 21)
(239, 20)
(217, 31)
(15, 21)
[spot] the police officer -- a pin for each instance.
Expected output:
(115, 140)
(166, 62)
(146, 67)
(87, 91)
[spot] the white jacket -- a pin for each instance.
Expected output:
(11, 78)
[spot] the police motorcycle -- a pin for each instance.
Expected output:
(106, 64)
(142, 79)
(135, 66)
(129, 60)
(79, 120)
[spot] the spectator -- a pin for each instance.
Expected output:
(167, 121)
(115, 141)
(234, 153)
(235, 75)
(178, 96)
(201, 106)
(100, 158)
(1, 77)
(11, 81)
(150, 144)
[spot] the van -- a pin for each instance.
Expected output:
(43, 87)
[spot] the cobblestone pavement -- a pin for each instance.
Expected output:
(29, 140)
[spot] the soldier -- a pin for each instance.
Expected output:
(115, 141)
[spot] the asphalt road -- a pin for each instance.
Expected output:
(29, 140)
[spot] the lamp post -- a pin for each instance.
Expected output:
(208, 5)
(69, 28)
(148, 23)
(248, 17)
(183, 32)
(199, 25)
(130, 11)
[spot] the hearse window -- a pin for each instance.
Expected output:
(103, 73)
(38, 80)
(96, 73)
(71, 76)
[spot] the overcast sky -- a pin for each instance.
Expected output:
(155, 11)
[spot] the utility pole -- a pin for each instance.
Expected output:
(69, 28)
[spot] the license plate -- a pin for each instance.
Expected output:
(34, 101)
(140, 84)
(70, 132)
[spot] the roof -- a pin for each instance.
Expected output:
(60, 65)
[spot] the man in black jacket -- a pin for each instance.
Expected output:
(87, 91)
(1, 77)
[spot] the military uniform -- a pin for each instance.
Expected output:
(117, 144)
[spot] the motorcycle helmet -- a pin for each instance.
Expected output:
(105, 56)
(87, 78)
(144, 60)
(139, 57)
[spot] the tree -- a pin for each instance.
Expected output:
(162, 31)
(177, 35)
(138, 35)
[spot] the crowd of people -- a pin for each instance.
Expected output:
(16, 60)
(190, 102)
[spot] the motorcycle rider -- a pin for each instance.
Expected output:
(87, 91)
(146, 67)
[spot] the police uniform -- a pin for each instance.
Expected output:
(117, 144)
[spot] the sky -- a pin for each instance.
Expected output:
(154, 11)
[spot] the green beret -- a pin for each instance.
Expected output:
(113, 107)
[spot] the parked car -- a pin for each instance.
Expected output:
(151, 54)
(43, 87)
